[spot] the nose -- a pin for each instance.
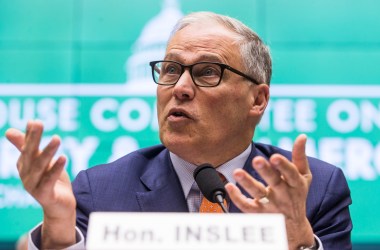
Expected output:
(184, 89)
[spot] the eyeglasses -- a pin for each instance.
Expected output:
(203, 74)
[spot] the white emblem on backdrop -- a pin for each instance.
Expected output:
(151, 45)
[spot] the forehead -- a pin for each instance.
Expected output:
(204, 42)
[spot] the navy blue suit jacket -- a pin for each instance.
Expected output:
(145, 181)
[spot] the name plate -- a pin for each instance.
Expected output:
(186, 231)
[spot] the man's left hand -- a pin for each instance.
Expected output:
(286, 193)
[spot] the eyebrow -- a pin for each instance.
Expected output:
(201, 58)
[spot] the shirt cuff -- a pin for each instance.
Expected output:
(34, 239)
(320, 246)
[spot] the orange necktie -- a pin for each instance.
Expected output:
(210, 207)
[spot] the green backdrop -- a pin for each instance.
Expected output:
(82, 68)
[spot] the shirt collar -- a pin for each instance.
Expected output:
(185, 169)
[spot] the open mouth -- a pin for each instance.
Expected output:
(178, 114)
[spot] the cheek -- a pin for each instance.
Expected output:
(162, 101)
(233, 99)
(225, 110)
(233, 109)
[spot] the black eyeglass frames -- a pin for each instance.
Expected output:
(203, 74)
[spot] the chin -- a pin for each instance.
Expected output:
(177, 145)
(173, 143)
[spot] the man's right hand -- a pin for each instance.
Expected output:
(47, 181)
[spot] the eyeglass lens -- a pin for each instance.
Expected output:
(203, 74)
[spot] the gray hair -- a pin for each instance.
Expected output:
(255, 54)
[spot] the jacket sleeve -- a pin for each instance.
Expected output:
(85, 204)
(332, 223)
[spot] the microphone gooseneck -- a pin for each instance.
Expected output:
(210, 184)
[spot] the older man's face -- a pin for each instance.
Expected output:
(198, 123)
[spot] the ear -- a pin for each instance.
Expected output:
(260, 100)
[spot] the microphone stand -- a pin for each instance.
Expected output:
(220, 200)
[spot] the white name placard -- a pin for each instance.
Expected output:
(186, 231)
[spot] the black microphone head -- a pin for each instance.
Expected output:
(209, 182)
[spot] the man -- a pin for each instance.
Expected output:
(213, 88)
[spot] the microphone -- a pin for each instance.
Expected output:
(210, 184)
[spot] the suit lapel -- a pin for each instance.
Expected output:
(248, 167)
(164, 189)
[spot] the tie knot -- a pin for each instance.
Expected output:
(224, 180)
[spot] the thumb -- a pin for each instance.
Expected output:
(299, 157)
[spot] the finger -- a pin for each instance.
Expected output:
(49, 180)
(299, 157)
(53, 174)
(270, 174)
(245, 204)
(16, 137)
(255, 188)
(32, 138)
(287, 169)
(42, 162)
(48, 153)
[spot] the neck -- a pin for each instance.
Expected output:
(216, 156)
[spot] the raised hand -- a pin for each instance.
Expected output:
(47, 181)
(286, 193)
